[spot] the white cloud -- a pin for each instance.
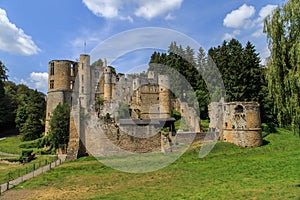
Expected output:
(39, 80)
(243, 18)
(104, 8)
(13, 39)
(240, 17)
(259, 22)
(124, 10)
(257, 33)
(153, 8)
(128, 18)
(265, 11)
(229, 36)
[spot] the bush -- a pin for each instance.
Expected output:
(38, 143)
(27, 152)
(26, 156)
(29, 144)
(268, 128)
(107, 116)
(45, 151)
(176, 114)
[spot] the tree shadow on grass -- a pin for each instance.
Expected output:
(265, 142)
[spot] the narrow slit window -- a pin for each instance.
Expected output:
(52, 69)
(51, 84)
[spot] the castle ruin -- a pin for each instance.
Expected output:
(96, 94)
(80, 84)
(236, 122)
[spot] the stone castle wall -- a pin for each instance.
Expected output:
(147, 97)
(237, 122)
(164, 96)
(191, 117)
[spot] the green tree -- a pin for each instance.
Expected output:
(31, 112)
(11, 95)
(252, 74)
(3, 77)
(202, 93)
(98, 63)
(32, 128)
(3, 99)
(282, 28)
(240, 70)
(59, 126)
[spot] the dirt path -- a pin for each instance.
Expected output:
(17, 194)
(8, 154)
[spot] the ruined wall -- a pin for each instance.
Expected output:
(191, 117)
(242, 124)
(145, 103)
(148, 97)
(237, 122)
(151, 98)
(215, 111)
(108, 139)
(164, 96)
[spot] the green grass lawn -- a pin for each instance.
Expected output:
(12, 170)
(228, 172)
(11, 145)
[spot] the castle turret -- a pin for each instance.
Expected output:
(107, 83)
(164, 96)
(61, 79)
(240, 122)
(84, 78)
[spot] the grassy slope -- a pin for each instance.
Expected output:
(11, 145)
(9, 171)
(228, 172)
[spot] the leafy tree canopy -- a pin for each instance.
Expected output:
(282, 28)
(59, 126)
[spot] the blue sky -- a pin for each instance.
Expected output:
(33, 32)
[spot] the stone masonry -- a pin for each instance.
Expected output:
(236, 122)
(78, 84)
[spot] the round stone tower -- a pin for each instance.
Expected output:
(61, 77)
(242, 124)
(107, 83)
(164, 96)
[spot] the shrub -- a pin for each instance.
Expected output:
(26, 156)
(176, 114)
